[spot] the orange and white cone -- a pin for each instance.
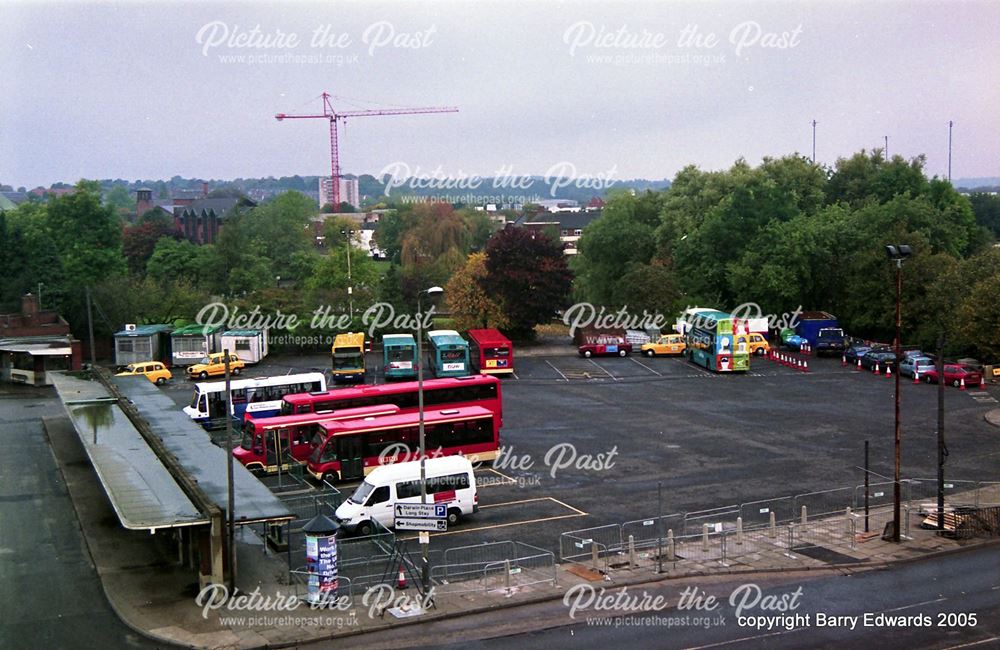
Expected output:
(401, 580)
(982, 382)
(961, 385)
(888, 370)
(916, 377)
(858, 367)
(875, 371)
(843, 360)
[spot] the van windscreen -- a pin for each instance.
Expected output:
(361, 494)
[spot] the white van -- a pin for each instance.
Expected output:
(449, 481)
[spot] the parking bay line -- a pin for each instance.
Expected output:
(646, 367)
(557, 370)
(576, 513)
(603, 370)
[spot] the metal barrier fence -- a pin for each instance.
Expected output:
(759, 512)
(581, 545)
(485, 567)
(956, 493)
(647, 533)
(823, 502)
(717, 519)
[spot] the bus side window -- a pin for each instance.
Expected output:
(407, 489)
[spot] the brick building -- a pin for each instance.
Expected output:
(35, 341)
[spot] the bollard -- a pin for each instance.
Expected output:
(804, 516)
(850, 516)
(631, 551)
(739, 531)
(704, 537)
(774, 530)
(506, 566)
(670, 545)
(595, 556)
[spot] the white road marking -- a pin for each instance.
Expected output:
(557, 370)
(646, 367)
(603, 370)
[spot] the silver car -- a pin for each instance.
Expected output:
(911, 365)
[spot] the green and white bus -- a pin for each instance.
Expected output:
(711, 342)
(449, 353)
(399, 356)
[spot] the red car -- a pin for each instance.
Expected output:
(598, 349)
(954, 374)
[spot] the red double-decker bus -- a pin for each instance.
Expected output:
(353, 448)
(449, 392)
(492, 353)
(265, 440)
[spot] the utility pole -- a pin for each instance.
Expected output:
(942, 451)
(231, 515)
(950, 125)
(886, 154)
(90, 330)
(814, 142)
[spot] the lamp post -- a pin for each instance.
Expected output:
(350, 289)
(425, 569)
(897, 254)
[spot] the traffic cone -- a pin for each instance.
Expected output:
(843, 360)
(982, 382)
(916, 377)
(858, 367)
(401, 580)
(876, 368)
(805, 366)
(888, 370)
(961, 385)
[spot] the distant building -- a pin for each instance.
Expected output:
(17, 198)
(569, 225)
(348, 192)
(559, 205)
(201, 221)
(34, 342)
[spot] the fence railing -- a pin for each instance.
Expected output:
(485, 567)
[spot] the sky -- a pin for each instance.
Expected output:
(619, 90)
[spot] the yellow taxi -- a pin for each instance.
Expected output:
(753, 343)
(154, 371)
(214, 365)
(666, 344)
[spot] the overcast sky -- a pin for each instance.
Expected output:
(150, 90)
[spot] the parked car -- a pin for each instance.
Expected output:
(856, 351)
(755, 343)
(604, 349)
(215, 364)
(154, 371)
(794, 342)
(666, 344)
(954, 374)
(882, 356)
(920, 365)
(907, 354)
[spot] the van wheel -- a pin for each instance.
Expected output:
(160, 381)
(587, 353)
(759, 352)
(236, 371)
(202, 375)
(650, 353)
(364, 528)
(454, 515)
(623, 353)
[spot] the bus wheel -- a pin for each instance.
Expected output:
(454, 514)
(160, 381)
(650, 353)
(623, 353)
(364, 528)
(236, 371)
(587, 353)
(202, 375)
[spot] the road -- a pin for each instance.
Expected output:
(944, 592)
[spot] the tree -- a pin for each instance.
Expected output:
(527, 272)
(182, 260)
(139, 241)
(120, 200)
(472, 306)
(87, 235)
(986, 208)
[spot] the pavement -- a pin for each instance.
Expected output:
(155, 595)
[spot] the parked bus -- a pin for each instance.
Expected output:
(349, 357)
(492, 353)
(260, 397)
(267, 439)
(399, 352)
(353, 448)
(710, 343)
(474, 390)
(449, 353)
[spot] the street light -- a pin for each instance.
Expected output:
(897, 254)
(350, 293)
(425, 569)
